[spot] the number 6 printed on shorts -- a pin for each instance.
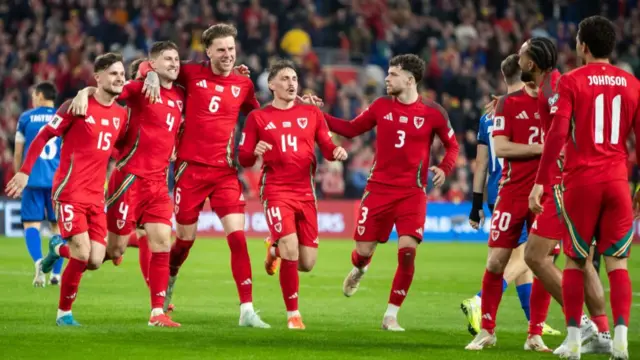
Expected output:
(66, 215)
(274, 212)
(176, 200)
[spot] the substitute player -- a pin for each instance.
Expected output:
(595, 109)
(78, 187)
(395, 192)
(205, 166)
(36, 198)
(284, 134)
(486, 159)
(537, 61)
(138, 192)
(517, 138)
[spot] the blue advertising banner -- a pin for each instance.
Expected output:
(450, 222)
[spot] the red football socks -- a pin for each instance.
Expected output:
(289, 283)
(70, 281)
(179, 253)
(133, 240)
(144, 257)
(358, 260)
(602, 322)
(539, 305)
(404, 276)
(241, 265)
(63, 251)
(158, 278)
(573, 296)
(620, 296)
(491, 297)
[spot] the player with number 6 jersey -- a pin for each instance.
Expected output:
(396, 189)
(78, 187)
(284, 134)
(595, 109)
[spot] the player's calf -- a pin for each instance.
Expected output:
(360, 265)
(307, 257)
(621, 298)
(401, 281)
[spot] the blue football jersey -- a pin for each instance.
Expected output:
(495, 164)
(29, 125)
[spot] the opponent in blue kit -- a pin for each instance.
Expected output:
(36, 197)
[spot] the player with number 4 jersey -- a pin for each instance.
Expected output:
(396, 190)
(284, 134)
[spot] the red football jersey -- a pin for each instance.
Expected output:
(151, 132)
(403, 140)
(289, 168)
(595, 110)
(546, 92)
(211, 113)
(518, 119)
(87, 145)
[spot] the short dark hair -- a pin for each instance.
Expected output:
(134, 66)
(543, 53)
(218, 31)
(510, 69)
(599, 34)
(278, 66)
(103, 62)
(159, 46)
(411, 63)
(47, 89)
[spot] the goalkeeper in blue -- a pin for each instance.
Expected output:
(517, 270)
(36, 197)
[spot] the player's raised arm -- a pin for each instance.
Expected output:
(360, 125)
(448, 138)
(503, 133)
(248, 142)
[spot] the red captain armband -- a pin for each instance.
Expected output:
(145, 68)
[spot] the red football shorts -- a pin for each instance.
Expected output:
(380, 210)
(196, 182)
(133, 200)
(509, 216)
(76, 218)
(289, 216)
(549, 224)
(602, 211)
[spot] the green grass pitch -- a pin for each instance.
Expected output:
(113, 307)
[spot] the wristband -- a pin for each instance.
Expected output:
(477, 200)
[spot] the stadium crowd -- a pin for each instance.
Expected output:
(340, 46)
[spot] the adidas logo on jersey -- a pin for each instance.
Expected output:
(389, 117)
(90, 120)
(523, 115)
(202, 84)
(270, 126)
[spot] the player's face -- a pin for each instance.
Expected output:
(397, 80)
(167, 64)
(285, 85)
(580, 48)
(111, 80)
(525, 63)
(222, 53)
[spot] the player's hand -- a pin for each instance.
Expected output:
(311, 100)
(262, 148)
(340, 154)
(534, 199)
(16, 185)
(537, 149)
(438, 176)
(174, 155)
(79, 104)
(476, 218)
(490, 108)
(242, 70)
(151, 88)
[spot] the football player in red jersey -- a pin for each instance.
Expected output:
(595, 109)
(396, 190)
(205, 168)
(284, 134)
(537, 61)
(517, 139)
(138, 192)
(79, 182)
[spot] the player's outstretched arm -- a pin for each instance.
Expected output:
(476, 217)
(80, 102)
(323, 138)
(358, 126)
(248, 142)
(507, 149)
(448, 138)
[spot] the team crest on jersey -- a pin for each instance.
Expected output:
(116, 122)
(494, 235)
(235, 90)
(418, 121)
(278, 227)
(68, 225)
(179, 102)
(361, 230)
(120, 224)
(303, 122)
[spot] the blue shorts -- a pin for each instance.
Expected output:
(37, 205)
(523, 236)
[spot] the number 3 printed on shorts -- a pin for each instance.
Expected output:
(503, 219)
(363, 215)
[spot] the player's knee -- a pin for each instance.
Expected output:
(93, 264)
(186, 232)
(497, 264)
(288, 248)
(306, 265)
(365, 249)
